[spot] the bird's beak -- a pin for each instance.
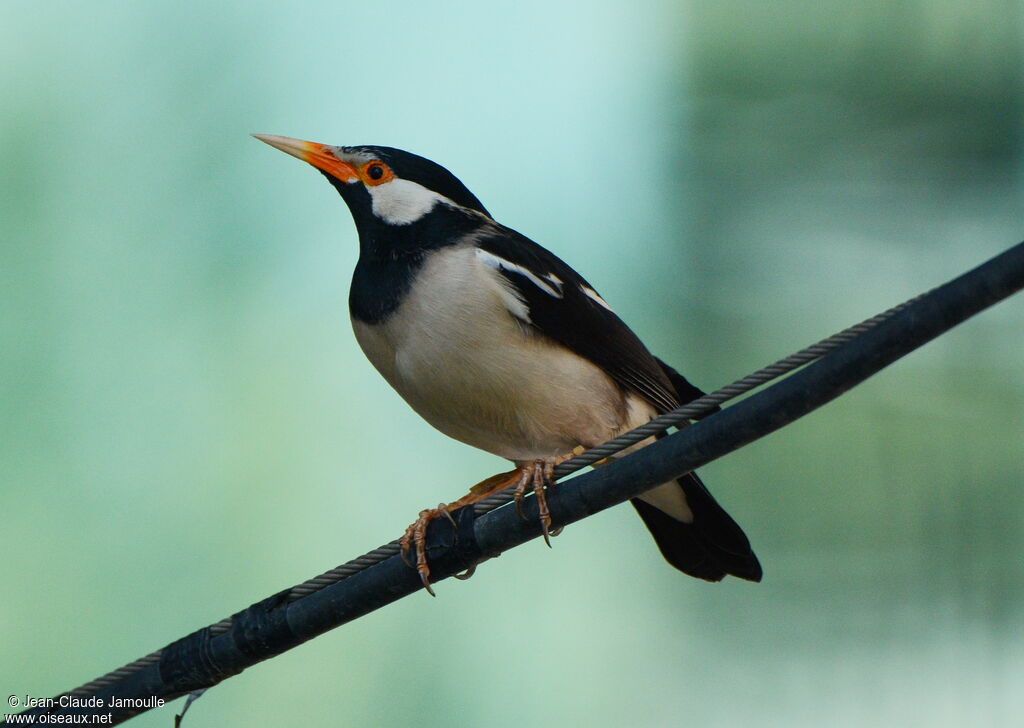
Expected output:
(320, 156)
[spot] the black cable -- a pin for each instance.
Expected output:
(277, 624)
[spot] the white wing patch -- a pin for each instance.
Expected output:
(550, 283)
(593, 296)
(401, 202)
(510, 296)
(556, 281)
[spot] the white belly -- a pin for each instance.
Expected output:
(477, 374)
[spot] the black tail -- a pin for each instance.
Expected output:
(710, 547)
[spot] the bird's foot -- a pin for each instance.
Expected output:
(414, 541)
(537, 476)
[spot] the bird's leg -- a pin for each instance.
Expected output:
(417, 533)
(535, 475)
(415, 539)
(539, 475)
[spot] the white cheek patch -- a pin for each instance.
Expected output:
(593, 296)
(401, 202)
(552, 286)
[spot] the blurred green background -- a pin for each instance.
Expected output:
(187, 423)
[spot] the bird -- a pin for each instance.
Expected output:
(498, 343)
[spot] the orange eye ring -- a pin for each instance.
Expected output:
(376, 173)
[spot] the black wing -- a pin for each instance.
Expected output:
(561, 307)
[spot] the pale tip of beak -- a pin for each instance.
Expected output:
(320, 156)
(295, 147)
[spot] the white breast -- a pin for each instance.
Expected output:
(457, 355)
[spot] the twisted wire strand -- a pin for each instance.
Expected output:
(690, 411)
(703, 405)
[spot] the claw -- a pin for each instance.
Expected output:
(544, 478)
(549, 481)
(416, 537)
(539, 481)
(425, 578)
(538, 475)
(447, 514)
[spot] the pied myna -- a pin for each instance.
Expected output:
(498, 343)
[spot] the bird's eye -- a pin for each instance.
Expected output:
(376, 173)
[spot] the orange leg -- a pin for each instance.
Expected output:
(534, 475)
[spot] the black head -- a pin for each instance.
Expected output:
(382, 185)
(420, 170)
